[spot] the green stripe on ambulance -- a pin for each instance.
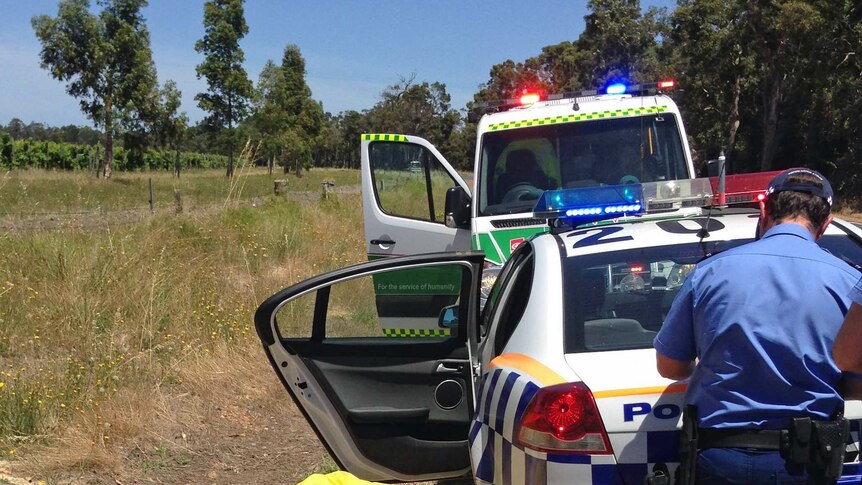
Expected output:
(383, 137)
(575, 117)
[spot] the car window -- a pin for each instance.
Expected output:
(618, 300)
(489, 309)
(409, 181)
(395, 303)
(843, 247)
(515, 297)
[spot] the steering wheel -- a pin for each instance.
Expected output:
(522, 191)
(629, 179)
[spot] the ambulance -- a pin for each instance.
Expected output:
(621, 134)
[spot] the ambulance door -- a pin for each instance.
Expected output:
(387, 409)
(404, 184)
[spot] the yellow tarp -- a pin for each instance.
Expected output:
(335, 478)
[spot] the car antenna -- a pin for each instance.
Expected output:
(722, 175)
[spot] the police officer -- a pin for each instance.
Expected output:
(848, 344)
(760, 319)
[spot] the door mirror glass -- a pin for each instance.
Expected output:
(449, 317)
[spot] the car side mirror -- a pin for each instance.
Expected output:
(448, 317)
(457, 208)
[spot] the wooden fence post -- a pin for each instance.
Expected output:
(150, 184)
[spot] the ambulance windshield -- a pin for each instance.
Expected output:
(519, 164)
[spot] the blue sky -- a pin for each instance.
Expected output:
(353, 49)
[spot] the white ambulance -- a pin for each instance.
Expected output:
(618, 135)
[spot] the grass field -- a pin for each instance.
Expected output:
(105, 332)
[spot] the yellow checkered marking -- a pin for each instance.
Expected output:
(416, 332)
(575, 117)
(383, 137)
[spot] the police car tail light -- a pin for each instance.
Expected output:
(744, 188)
(677, 194)
(589, 204)
(564, 419)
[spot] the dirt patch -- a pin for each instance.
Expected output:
(231, 426)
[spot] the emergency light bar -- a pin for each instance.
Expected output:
(530, 97)
(744, 188)
(575, 207)
(589, 204)
(677, 194)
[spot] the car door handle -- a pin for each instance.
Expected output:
(449, 368)
(383, 242)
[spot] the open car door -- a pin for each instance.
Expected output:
(387, 409)
(404, 184)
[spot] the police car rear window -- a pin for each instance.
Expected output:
(618, 300)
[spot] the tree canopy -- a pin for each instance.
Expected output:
(229, 93)
(106, 62)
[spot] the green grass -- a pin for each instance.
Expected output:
(92, 319)
(29, 192)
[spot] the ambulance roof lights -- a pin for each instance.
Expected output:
(616, 88)
(529, 98)
(590, 204)
(646, 89)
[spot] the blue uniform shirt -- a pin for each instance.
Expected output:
(856, 292)
(761, 318)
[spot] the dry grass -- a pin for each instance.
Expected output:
(119, 346)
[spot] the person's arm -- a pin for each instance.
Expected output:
(847, 350)
(852, 387)
(675, 348)
(674, 369)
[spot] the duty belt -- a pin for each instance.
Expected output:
(758, 439)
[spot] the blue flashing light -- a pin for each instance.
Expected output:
(616, 88)
(591, 204)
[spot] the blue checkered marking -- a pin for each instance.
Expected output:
(504, 400)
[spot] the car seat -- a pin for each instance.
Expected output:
(521, 168)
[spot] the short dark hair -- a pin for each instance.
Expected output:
(789, 204)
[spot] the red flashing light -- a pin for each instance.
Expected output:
(529, 98)
(744, 188)
(667, 84)
(564, 419)
(636, 269)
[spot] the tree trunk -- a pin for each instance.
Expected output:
(733, 116)
(109, 137)
(771, 98)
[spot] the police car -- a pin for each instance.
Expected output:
(554, 380)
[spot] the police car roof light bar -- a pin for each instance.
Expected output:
(748, 188)
(673, 195)
(589, 204)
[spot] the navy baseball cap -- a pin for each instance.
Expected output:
(782, 183)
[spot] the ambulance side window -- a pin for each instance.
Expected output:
(409, 181)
